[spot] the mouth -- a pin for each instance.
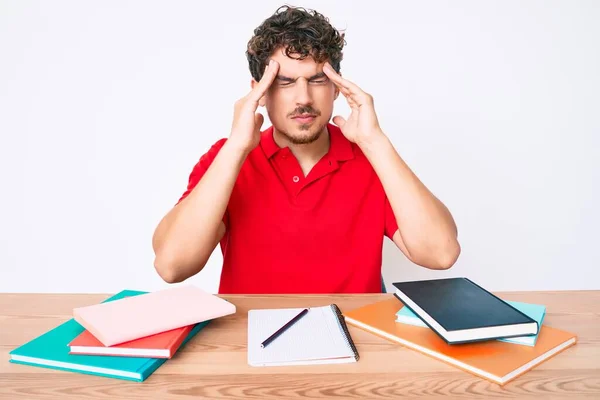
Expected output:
(304, 118)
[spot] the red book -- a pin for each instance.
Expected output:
(160, 345)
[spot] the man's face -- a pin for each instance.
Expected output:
(300, 100)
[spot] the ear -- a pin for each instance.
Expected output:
(262, 101)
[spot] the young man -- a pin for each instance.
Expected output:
(303, 206)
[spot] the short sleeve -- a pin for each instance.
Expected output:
(200, 169)
(391, 226)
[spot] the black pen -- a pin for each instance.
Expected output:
(283, 328)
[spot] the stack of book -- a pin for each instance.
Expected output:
(128, 336)
(459, 322)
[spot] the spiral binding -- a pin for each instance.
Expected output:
(344, 329)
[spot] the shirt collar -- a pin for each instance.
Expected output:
(340, 148)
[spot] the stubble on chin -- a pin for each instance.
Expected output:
(304, 139)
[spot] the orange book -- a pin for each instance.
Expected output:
(161, 345)
(499, 362)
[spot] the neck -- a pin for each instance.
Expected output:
(306, 154)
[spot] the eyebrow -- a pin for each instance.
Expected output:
(312, 78)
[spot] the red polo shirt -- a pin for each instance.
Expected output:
(287, 233)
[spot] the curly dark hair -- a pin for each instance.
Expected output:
(301, 32)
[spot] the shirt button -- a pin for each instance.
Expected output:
(295, 179)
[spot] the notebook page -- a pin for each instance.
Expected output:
(315, 338)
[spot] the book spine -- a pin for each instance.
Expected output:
(344, 329)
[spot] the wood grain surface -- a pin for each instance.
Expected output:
(214, 363)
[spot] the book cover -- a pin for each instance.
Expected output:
(496, 361)
(534, 311)
(131, 318)
(51, 350)
(161, 345)
(460, 311)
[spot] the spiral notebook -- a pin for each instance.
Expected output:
(320, 337)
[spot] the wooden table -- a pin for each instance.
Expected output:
(214, 363)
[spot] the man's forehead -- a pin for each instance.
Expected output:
(295, 68)
(295, 72)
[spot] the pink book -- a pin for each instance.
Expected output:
(135, 317)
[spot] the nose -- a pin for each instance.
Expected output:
(303, 95)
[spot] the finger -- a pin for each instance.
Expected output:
(353, 104)
(349, 98)
(356, 100)
(339, 121)
(265, 82)
(331, 74)
(346, 93)
(339, 81)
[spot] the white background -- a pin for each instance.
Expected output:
(106, 106)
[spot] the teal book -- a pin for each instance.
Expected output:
(51, 350)
(534, 311)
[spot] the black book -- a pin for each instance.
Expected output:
(460, 311)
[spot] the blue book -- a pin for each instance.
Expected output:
(51, 350)
(534, 311)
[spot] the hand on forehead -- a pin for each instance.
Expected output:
(292, 68)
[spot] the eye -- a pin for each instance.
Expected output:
(320, 81)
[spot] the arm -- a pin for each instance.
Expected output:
(426, 234)
(186, 237)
